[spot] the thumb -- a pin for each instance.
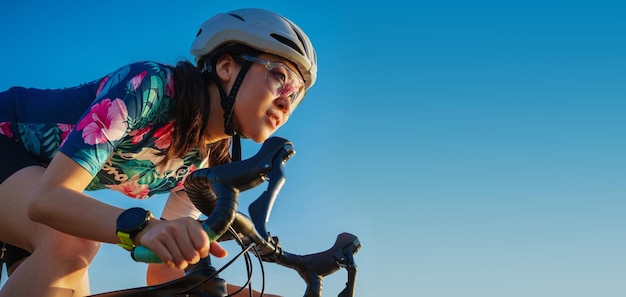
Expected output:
(217, 250)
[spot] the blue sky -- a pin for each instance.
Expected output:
(475, 147)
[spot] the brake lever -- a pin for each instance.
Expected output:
(261, 208)
(347, 261)
(314, 267)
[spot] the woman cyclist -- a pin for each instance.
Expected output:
(139, 130)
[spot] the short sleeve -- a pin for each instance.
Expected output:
(179, 205)
(127, 99)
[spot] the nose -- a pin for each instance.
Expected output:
(283, 104)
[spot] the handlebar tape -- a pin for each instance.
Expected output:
(215, 191)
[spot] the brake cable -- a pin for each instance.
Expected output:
(190, 289)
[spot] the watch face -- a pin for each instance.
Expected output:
(132, 219)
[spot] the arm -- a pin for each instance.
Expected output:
(57, 201)
(121, 105)
(59, 188)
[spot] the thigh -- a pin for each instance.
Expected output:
(18, 173)
(13, 256)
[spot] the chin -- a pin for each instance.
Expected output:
(259, 138)
(259, 134)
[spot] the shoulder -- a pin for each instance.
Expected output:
(141, 90)
(152, 70)
(151, 67)
(132, 76)
(150, 76)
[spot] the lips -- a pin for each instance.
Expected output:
(274, 119)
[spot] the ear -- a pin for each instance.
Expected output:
(226, 68)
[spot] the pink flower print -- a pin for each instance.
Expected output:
(169, 87)
(4, 129)
(102, 83)
(164, 136)
(135, 82)
(65, 130)
(137, 135)
(106, 121)
(132, 188)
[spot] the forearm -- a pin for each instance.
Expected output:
(57, 200)
(74, 213)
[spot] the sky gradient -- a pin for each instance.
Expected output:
(475, 147)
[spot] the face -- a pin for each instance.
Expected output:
(266, 97)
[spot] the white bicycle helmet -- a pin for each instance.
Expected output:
(262, 30)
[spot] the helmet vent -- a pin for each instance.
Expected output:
(237, 16)
(288, 42)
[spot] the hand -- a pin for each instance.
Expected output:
(178, 242)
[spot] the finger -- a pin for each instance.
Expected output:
(152, 238)
(186, 242)
(177, 258)
(176, 240)
(217, 250)
(200, 240)
(162, 249)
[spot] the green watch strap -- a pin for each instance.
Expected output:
(125, 241)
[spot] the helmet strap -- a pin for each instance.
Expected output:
(228, 101)
(236, 152)
(228, 104)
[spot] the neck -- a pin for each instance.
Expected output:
(215, 127)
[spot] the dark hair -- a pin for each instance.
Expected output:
(190, 110)
(191, 105)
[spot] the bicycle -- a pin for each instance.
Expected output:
(215, 191)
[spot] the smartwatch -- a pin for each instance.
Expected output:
(129, 223)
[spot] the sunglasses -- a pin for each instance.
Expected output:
(281, 80)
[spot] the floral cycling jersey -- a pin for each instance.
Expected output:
(113, 127)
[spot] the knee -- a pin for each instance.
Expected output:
(68, 250)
